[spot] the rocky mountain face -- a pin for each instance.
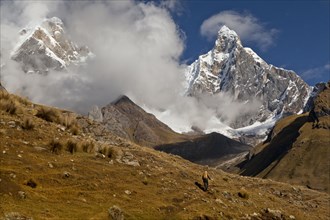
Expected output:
(47, 47)
(127, 120)
(297, 149)
(236, 70)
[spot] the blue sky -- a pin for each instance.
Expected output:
(298, 32)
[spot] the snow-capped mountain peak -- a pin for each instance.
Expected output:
(47, 46)
(227, 40)
(233, 69)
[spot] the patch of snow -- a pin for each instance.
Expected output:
(52, 55)
(259, 128)
(254, 55)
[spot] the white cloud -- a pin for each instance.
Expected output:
(316, 74)
(137, 47)
(173, 5)
(248, 27)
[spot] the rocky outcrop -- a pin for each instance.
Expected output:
(236, 70)
(47, 47)
(95, 114)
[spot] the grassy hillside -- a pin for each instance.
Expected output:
(52, 169)
(297, 150)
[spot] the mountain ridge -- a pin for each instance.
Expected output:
(229, 67)
(46, 47)
(126, 119)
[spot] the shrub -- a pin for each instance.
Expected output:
(27, 124)
(71, 146)
(55, 146)
(49, 114)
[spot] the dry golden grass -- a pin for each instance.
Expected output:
(162, 187)
(49, 114)
(8, 106)
(74, 129)
(4, 95)
(87, 146)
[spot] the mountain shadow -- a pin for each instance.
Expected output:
(209, 149)
(277, 148)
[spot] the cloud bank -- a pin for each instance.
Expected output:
(248, 27)
(137, 48)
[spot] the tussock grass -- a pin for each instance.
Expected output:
(4, 95)
(55, 146)
(69, 120)
(74, 130)
(87, 146)
(49, 114)
(71, 146)
(7, 98)
(56, 116)
(8, 106)
(108, 151)
(23, 100)
(27, 124)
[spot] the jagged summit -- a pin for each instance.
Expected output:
(227, 40)
(46, 47)
(122, 99)
(127, 120)
(233, 69)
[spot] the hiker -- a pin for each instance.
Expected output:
(206, 178)
(314, 117)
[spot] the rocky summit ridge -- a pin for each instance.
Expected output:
(236, 70)
(47, 47)
(127, 120)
